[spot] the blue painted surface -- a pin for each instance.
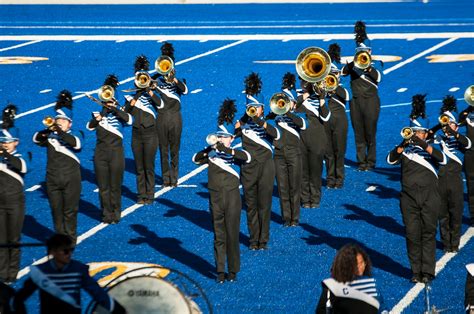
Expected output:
(176, 231)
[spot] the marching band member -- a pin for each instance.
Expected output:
(143, 108)
(469, 290)
(169, 120)
(258, 175)
(225, 202)
(314, 142)
(419, 198)
(109, 158)
(60, 280)
(450, 178)
(336, 128)
(12, 196)
(365, 103)
(466, 117)
(63, 173)
(288, 155)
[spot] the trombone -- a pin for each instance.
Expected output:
(362, 60)
(280, 103)
(142, 81)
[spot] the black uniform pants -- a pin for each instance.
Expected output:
(12, 216)
(336, 130)
(312, 156)
(144, 144)
(452, 205)
(64, 192)
(469, 172)
(169, 126)
(225, 211)
(288, 171)
(109, 164)
(364, 117)
(257, 179)
(420, 210)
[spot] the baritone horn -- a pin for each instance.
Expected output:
(49, 122)
(211, 139)
(469, 95)
(164, 65)
(106, 93)
(251, 111)
(443, 119)
(362, 60)
(407, 133)
(142, 79)
(313, 64)
(280, 103)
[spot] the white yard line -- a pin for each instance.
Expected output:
(417, 56)
(443, 261)
(33, 188)
(234, 37)
(20, 45)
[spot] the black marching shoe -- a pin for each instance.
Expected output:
(427, 278)
(253, 247)
(294, 223)
(263, 246)
(286, 224)
(416, 278)
(306, 205)
(220, 278)
(363, 167)
(232, 277)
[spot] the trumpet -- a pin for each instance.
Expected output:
(313, 64)
(251, 111)
(407, 133)
(443, 119)
(212, 139)
(164, 65)
(49, 122)
(280, 103)
(362, 60)
(469, 95)
(106, 93)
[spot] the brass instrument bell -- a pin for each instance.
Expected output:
(142, 79)
(469, 95)
(164, 65)
(251, 111)
(211, 139)
(362, 59)
(313, 64)
(407, 133)
(280, 103)
(106, 93)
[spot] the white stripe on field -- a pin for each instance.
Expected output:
(196, 91)
(20, 45)
(421, 54)
(33, 188)
(234, 37)
(44, 91)
(132, 78)
(401, 90)
(443, 261)
(453, 89)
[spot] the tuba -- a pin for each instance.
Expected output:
(106, 93)
(164, 65)
(313, 64)
(407, 133)
(142, 79)
(469, 95)
(362, 60)
(280, 103)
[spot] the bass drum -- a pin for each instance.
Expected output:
(144, 294)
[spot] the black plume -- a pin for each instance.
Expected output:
(167, 50)
(360, 33)
(449, 104)
(141, 63)
(289, 81)
(8, 116)
(63, 100)
(111, 80)
(334, 52)
(418, 104)
(227, 112)
(253, 84)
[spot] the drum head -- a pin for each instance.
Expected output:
(147, 295)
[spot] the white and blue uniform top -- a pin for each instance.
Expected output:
(171, 94)
(12, 166)
(312, 105)
(110, 127)
(145, 104)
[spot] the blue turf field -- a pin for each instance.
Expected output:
(176, 231)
